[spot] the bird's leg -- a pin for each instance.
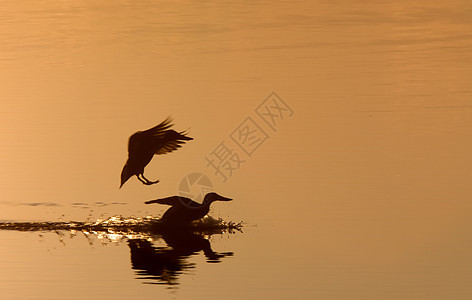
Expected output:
(142, 180)
(147, 181)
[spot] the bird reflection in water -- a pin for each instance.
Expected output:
(163, 265)
(181, 228)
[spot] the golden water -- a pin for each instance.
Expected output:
(361, 191)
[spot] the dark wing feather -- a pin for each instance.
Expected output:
(175, 201)
(148, 138)
(171, 141)
(158, 140)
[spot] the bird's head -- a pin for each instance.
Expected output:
(126, 174)
(211, 197)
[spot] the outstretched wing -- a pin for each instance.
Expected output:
(158, 140)
(147, 138)
(171, 141)
(174, 201)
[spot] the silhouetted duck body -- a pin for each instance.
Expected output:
(143, 145)
(183, 210)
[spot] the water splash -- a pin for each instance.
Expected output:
(132, 227)
(159, 254)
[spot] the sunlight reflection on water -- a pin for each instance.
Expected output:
(159, 255)
(363, 194)
(122, 226)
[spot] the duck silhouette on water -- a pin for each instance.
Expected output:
(184, 210)
(143, 145)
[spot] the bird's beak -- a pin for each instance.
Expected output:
(152, 201)
(224, 199)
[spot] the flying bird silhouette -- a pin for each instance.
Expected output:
(143, 145)
(183, 210)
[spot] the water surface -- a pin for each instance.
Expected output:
(359, 189)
